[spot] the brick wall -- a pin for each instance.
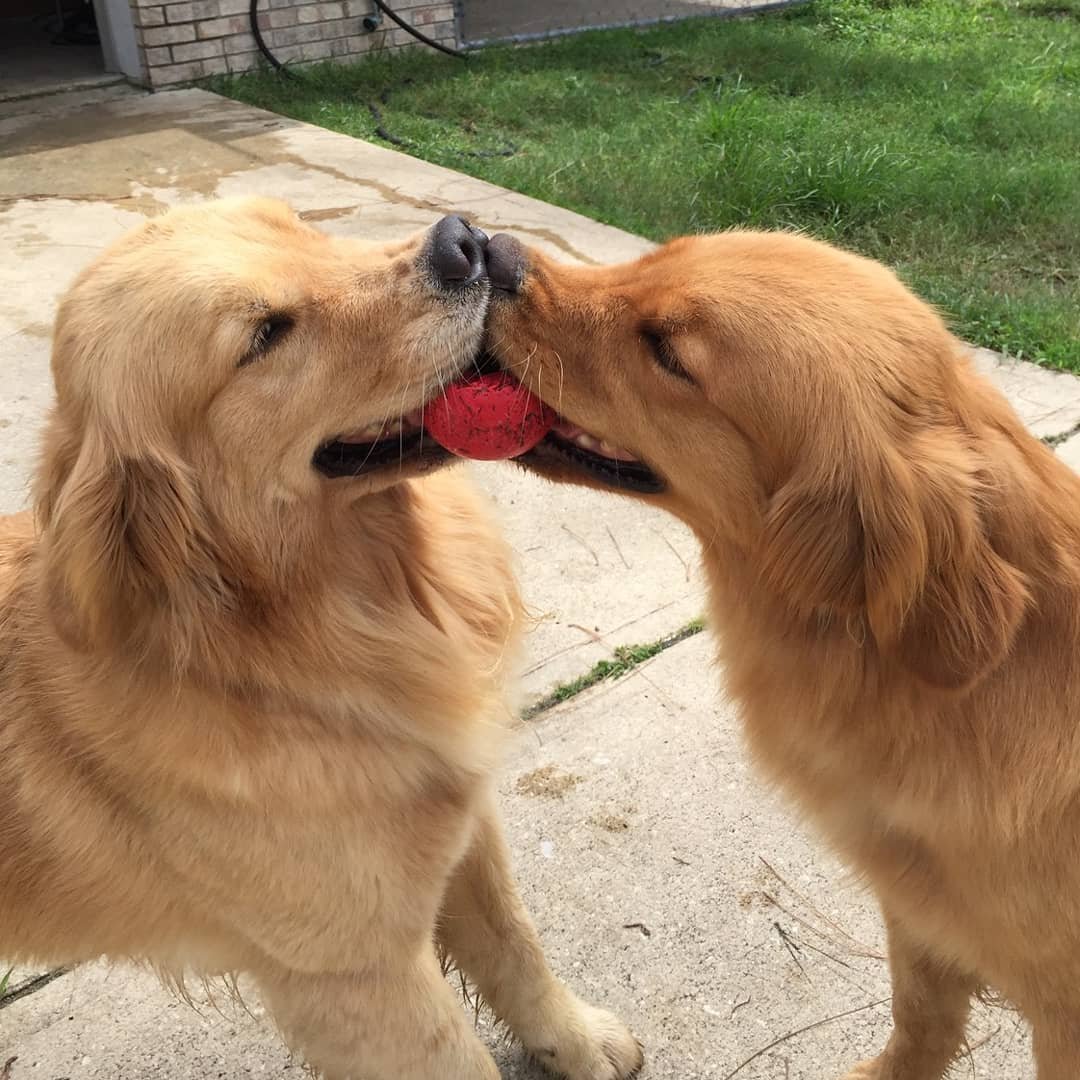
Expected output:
(182, 40)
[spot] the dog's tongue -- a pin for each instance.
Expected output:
(488, 417)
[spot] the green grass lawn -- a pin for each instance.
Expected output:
(940, 136)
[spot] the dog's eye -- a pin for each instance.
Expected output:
(270, 331)
(665, 355)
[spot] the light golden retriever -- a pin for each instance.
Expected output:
(894, 567)
(251, 667)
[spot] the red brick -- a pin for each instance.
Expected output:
(180, 13)
(238, 43)
(197, 50)
(315, 50)
(215, 28)
(172, 74)
(213, 9)
(244, 61)
(148, 16)
(167, 35)
(281, 17)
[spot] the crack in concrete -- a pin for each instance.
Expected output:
(625, 659)
(263, 150)
(398, 198)
(556, 240)
(31, 986)
(55, 196)
(1062, 437)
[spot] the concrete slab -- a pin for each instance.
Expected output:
(1069, 452)
(1047, 401)
(666, 883)
(664, 824)
(497, 20)
(598, 571)
(660, 826)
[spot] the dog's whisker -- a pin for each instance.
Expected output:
(562, 379)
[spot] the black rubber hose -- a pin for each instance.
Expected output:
(391, 14)
(388, 11)
(263, 47)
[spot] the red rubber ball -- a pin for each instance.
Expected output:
(489, 417)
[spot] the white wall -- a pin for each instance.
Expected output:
(118, 44)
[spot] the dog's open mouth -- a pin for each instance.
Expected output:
(568, 444)
(390, 444)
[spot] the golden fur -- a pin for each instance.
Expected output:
(894, 568)
(249, 714)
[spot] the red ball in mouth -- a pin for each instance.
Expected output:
(488, 417)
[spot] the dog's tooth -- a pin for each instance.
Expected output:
(586, 442)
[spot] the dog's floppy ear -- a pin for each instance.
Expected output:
(813, 553)
(903, 538)
(950, 604)
(124, 536)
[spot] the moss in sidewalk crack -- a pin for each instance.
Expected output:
(624, 660)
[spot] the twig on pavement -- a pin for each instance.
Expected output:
(802, 1031)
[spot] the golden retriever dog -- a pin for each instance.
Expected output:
(252, 663)
(894, 571)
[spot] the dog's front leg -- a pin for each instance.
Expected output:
(489, 935)
(1056, 1036)
(387, 1024)
(931, 1001)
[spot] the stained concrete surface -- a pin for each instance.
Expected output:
(649, 874)
(493, 20)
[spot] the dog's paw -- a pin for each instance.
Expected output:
(620, 1055)
(591, 1044)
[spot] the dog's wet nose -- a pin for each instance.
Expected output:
(457, 252)
(505, 263)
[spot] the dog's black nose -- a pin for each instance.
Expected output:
(457, 252)
(506, 263)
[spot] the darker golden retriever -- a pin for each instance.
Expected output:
(894, 567)
(251, 686)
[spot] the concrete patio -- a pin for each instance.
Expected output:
(667, 883)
